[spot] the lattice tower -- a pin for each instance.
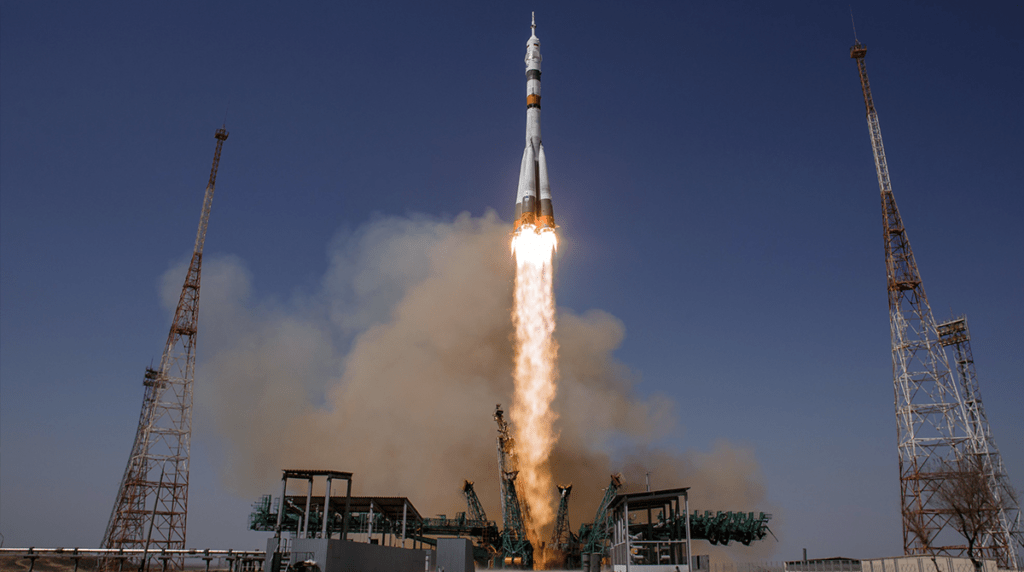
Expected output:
(561, 536)
(151, 508)
(476, 509)
(515, 511)
(931, 431)
(1000, 542)
(595, 539)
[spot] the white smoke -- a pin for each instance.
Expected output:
(391, 370)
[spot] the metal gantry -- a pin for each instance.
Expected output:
(475, 508)
(151, 507)
(937, 423)
(594, 536)
(515, 512)
(563, 539)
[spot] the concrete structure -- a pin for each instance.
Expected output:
(333, 555)
(836, 564)
(895, 564)
(455, 555)
(925, 564)
(308, 475)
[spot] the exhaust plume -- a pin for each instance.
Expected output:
(391, 365)
(533, 317)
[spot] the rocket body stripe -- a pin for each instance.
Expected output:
(533, 199)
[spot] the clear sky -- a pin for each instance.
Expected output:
(711, 173)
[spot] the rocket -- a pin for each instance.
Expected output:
(533, 200)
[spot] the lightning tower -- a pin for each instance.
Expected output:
(152, 501)
(933, 414)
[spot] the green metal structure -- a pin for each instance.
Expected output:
(493, 548)
(725, 527)
(475, 509)
(718, 528)
(564, 542)
(594, 536)
(516, 550)
(485, 532)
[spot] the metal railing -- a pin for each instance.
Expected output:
(130, 559)
(824, 566)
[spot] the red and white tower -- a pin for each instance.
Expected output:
(940, 424)
(152, 502)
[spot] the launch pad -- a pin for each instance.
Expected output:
(645, 530)
(651, 531)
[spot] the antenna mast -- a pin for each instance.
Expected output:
(151, 508)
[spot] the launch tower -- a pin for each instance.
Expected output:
(152, 501)
(515, 512)
(938, 422)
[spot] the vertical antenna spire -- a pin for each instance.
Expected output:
(151, 507)
(221, 135)
(854, 22)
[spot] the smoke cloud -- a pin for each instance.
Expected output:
(392, 367)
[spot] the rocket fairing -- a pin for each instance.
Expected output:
(533, 200)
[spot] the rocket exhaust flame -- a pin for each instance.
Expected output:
(533, 317)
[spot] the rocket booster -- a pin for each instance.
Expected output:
(533, 201)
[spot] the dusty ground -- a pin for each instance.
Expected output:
(45, 564)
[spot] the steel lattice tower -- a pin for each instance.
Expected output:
(561, 537)
(932, 415)
(1000, 541)
(152, 501)
(515, 511)
(930, 427)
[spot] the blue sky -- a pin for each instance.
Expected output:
(711, 173)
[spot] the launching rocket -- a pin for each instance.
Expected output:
(533, 201)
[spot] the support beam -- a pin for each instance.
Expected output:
(309, 499)
(348, 501)
(327, 509)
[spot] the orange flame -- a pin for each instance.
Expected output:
(533, 316)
